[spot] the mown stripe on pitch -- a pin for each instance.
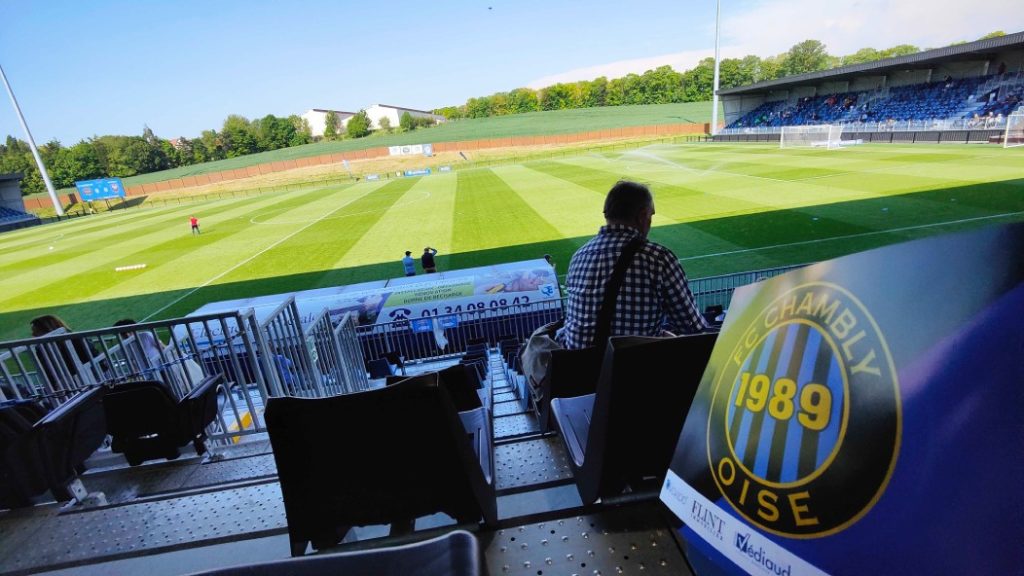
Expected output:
(97, 278)
(490, 214)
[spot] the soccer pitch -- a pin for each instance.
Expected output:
(721, 208)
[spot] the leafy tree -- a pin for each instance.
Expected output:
(79, 162)
(807, 56)
(385, 124)
(302, 133)
(405, 122)
(522, 100)
(862, 56)
(358, 125)
(331, 126)
(900, 50)
(995, 34)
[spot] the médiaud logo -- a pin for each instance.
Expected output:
(804, 427)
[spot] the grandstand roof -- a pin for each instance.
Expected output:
(921, 59)
(14, 176)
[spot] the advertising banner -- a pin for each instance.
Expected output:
(407, 149)
(486, 288)
(420, 172)
(100, 189)
(864, 416)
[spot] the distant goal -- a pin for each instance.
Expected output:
(1014, 130)
(818, 136)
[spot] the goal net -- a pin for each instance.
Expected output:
(819, 136)
(1014, 130)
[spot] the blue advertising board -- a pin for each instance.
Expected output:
(864, 416)
(420, 172)
(371, 177)
(445, 169)
(100, 189)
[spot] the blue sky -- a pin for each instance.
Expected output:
(110, 67)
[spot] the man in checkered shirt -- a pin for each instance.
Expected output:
(654, 297)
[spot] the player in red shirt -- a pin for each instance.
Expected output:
(195, 224)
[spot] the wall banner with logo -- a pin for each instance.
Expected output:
(864, 415)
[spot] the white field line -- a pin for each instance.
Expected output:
(858, 235)
(240, 264)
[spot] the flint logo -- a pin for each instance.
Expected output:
(804, 427)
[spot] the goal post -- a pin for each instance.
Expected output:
(1014, 135)
(817, 136)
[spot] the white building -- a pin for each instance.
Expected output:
(394, 115)
(317, 119)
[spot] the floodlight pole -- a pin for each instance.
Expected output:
(714, 91)
(32, 146)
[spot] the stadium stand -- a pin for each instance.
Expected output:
(948, 99)
(11, 219)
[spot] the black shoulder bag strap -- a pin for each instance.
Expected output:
(611, 293)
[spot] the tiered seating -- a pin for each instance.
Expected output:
(940, 100)
(42, 451)
(385, 456)
(11, 215)
(147, 422)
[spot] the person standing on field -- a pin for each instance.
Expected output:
(428, 260)
(194, 222)
(409, 264)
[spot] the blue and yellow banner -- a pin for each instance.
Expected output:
(864, 415)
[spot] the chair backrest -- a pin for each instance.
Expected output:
(456, 381)
(643, 396)
(571, 373)
(71, 433)
(141, 408)
(374, 457)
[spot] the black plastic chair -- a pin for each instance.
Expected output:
(460, 383)
(454, 554)
(571, 373)
(385, 456)
(625, 433)
(146, 422)
(380, 368)
(46, 451)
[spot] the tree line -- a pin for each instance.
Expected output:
(121, 156)
(664, 85)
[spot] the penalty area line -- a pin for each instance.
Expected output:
(858, 235)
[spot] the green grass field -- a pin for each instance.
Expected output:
(532, 124)
(721, 208)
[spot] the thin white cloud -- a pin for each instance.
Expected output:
(768, 27)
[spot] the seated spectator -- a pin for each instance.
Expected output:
(149, 344)
(654, 296)
(43, 325)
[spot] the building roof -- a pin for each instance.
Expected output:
(409, 109)
(335, 111)
(968, 51)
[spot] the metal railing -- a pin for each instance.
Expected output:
(336, 354)
(937, 124)
(449, 334)
(324, 360)
(717, 290)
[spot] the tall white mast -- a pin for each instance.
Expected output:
(32, 146)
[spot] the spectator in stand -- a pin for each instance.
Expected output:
(149, 344)
(654, 296)
(409, 264)
(86, 353)
(427, 260)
